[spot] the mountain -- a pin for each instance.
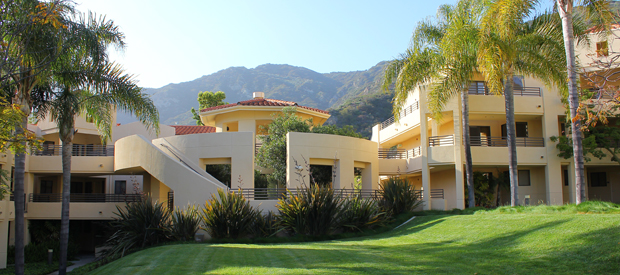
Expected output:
(285, 82)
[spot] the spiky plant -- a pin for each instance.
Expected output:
(311, 211)
(229, 215)
(360, 213)
(185, 223)
(398, 196)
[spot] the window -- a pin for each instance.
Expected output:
(77, 187)
(598, 179)
(520, 128)
(524, 178)
(46, 187)
(602, 49)
(120, 187)
(565, 177)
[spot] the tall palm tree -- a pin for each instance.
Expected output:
(598, 10)
(86, 83)
(33, 47)
(442, 57)
(508, 46)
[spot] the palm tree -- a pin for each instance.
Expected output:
(442, 56)
(509, 46)
(33, 47)
(598, 10)
(85, 83)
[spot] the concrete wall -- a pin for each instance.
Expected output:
(349, 152)
(137, 128)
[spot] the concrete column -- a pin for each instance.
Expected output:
(426, 173)
(247, 126)
(553, 183)
(367, 181)
(345, 174)
(459, 156)
(4, 233)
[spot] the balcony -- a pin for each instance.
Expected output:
(446, 140)
(480, 88)
(94, 198)
(403, 113)
(278, 193)
(503, 141)
(399, 153)
(78, 150)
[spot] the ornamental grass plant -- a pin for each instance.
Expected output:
(311, 211)
(228, 215)
(185, 223)
(398, 196)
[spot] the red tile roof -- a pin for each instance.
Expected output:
(263, 102)
(180, 130)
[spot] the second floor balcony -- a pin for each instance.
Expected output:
(79, 150)
(85, 197)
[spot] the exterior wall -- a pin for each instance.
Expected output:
(79, 164)
(137, 128)
(349, 152)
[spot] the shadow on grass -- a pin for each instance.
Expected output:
(501, 254)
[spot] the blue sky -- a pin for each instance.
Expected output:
(178, 41)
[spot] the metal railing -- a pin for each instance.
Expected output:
(171, 200)
(520, 91)
(57, 197)
(503, 141)
(437, 194)
(78, 150)
(446, 140)
(399, 153)
(278, 193)
(403, 113)
(257, 147)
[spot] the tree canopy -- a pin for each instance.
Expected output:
(208, 99)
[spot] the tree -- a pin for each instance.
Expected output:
(272, 154)
(508, 46)
(32, 32)
(602, 15)
(208, 99)
(85, 83)
(442, 57)
(598, 141)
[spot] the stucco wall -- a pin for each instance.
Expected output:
(137, 128)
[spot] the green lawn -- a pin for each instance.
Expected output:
(487, 243)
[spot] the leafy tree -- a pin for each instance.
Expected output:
(441, 53)
(272, 154)
(208, 99)
(32, 39)
(85, 83)
(598, 141)
(599, 12)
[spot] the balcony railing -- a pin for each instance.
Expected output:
(447, 140)
(278, 193)
(57, 197)
(475, 89)
(503, 141)
(399, 153)
(403, 113)
(78, 150)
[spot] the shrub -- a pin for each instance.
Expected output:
(265, 225)
(398, 196)
(37, 252)
(139, 225)
(229, 216)
(360, 213)
(185, 223)
(311, 211)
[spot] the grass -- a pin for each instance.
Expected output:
(537, 241)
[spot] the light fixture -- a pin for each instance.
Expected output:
(100, 165)
(538, 106)
(299, 167)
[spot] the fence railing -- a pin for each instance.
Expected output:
(278, 193)
(385, 153)
(57, 197)
(520, 91)
(78, 150)
(503, 141)
(446, 140)
(403, 113)
(257, 146)
(171, 200)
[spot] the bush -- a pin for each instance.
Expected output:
(311, 211)
(229, 216)
(185, 224)
(37, 252)
(360, 213)
(398, 196)
(139, 225)
(265, 225)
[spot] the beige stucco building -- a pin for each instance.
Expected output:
(172, 166)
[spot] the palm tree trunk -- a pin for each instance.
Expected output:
(512, 140)
(18, 192)
(67, 150)
(469, 169)
(565, 8)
